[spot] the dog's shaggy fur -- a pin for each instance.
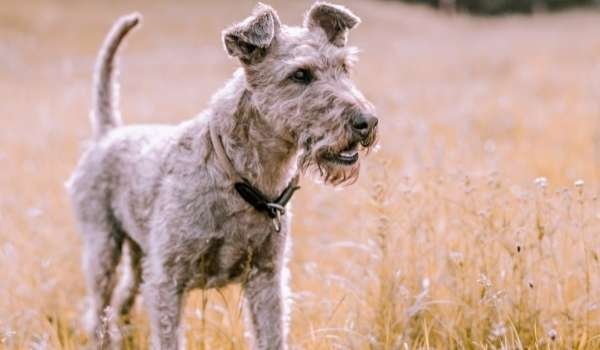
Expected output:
(162, 195)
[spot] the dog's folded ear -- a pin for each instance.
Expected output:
(335, 20)
(250, 39)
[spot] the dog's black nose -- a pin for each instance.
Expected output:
(363, 124)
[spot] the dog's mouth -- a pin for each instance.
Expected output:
(347, 156)
(336, 163)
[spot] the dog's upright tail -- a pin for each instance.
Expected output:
(105, 114)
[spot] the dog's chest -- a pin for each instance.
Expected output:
(232, 254)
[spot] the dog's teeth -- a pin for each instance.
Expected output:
(348, 154)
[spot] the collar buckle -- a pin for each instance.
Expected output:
(278, 211)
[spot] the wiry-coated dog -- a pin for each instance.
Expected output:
(202, 204)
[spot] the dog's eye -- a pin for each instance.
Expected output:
(303, 76)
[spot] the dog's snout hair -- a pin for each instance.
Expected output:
(162, 201)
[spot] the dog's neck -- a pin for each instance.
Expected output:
(252, 146)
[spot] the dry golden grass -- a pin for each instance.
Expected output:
(445, 241)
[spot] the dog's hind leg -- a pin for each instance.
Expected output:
(102, 242)
(127, 290)
(128, 287)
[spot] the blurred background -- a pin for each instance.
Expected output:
(475, 224)
(496, 7)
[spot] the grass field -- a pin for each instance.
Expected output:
(475, 226)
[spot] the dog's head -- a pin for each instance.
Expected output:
(300, 83)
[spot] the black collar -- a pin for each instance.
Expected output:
(260, 202)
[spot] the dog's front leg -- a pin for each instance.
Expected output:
(264, 304)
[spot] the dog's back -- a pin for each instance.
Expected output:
(119, 175)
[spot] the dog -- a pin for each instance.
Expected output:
(204, 203)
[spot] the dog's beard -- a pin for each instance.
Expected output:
(334, 164)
